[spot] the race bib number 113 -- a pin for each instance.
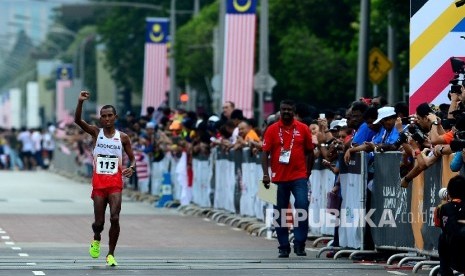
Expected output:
(107, 165)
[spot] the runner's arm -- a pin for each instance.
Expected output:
(92, 130)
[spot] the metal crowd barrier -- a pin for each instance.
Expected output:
(402, 218)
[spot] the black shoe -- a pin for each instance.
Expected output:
(300, 251)
(284, 253)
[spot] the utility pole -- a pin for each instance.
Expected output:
(217, 98)
(393, 86)
(263, 81)
(362, 64)
(196, 7)
(173, 91)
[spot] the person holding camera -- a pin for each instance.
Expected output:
(416, 142)
(457, 99)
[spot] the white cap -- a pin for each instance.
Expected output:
(385, 112)
(334, 124)
(150, 125)
(214, 118)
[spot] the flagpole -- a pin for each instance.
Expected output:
(173, 94)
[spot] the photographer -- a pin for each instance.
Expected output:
(419, 144)
(457, 144)
(457, 98)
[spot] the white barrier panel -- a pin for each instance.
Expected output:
(224, 185)
(201, 187)
(176, 187)
(158, 168)
(248, 188)
(259, 205)
(321, 182)
(353, 205)
(185, 195)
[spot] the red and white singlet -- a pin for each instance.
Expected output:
(108, 161)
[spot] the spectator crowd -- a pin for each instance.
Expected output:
(368, 124)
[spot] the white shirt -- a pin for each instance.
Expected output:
(26, 141)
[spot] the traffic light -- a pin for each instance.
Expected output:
(184, 97)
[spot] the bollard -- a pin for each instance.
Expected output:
(166, 190)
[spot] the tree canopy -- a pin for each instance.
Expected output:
(313, 45)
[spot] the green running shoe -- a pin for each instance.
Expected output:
(111, 261)
(94, 249)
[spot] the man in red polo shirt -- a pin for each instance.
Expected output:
(288, 150)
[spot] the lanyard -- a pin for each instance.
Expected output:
(386, 136)
(282, 140)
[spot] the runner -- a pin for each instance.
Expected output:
(107, 181)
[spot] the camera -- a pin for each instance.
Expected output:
(455, 86)
(413, 131)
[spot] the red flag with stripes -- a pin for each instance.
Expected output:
(239, 51)
(155, 63)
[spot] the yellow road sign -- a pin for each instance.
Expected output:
(378, 65)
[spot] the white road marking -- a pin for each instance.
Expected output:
(38, 272)
(5, 237)
(16, 248)
(2, 232)
(397, 272)
(23, 255)
(31, 263)
(9, 243)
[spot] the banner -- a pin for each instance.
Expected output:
(391, 204)
(225, 188)
(64, 76)
(251, 175)
(155, 63)
(201, 188)
(239, 52)
(436, 28)
(321, 182)
(353, 204)
(431, 200)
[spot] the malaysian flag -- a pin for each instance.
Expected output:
(64, 80)
(155, 63)
(239, 50)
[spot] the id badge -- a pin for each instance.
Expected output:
(284, 156)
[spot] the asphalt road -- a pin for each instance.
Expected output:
(45, 229)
